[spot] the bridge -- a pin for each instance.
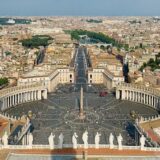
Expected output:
(96, 44)
(93, 44)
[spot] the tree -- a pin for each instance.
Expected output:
(3, 81)
(141, 45)
(8, 53)
(145, 64)
(154, 64)
(151, 61)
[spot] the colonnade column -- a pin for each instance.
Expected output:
(158, 103)
(13, 98)
(153, 98)
(150, 99)
(129, 95)
(3, 104)
(35, 95)
(22, 97)
(141, 97)
(117, 94)
(7, 102)
(147, 99)
(144, 98)
(39, 94)
(125, 94)
(26, 96)
(133, 95)
(45, 94)
(6, 105)
(31, 95)
(155, 102)
(138, 96)
(18, 98)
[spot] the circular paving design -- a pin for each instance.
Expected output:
(72, 119)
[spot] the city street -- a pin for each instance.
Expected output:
(81, 68)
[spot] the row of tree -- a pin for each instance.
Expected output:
(36, 41)
(101, 37)
(154, 64)
(94, 21)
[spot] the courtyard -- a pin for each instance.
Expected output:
(60, 114)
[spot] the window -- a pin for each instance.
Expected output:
(70, 75)
(90, 75)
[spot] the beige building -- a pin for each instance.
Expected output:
(136, 60)
(106, 68)
(49, 76)
(104, 76)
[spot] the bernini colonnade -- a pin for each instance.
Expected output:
(21, 94)
(140, 94)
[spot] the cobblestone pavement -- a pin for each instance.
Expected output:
(59, 114)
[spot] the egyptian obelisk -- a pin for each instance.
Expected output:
(81, 112)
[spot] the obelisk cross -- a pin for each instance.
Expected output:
(81, 104)
(81, 112)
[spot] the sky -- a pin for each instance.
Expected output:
(79, 7)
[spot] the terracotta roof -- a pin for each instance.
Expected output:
(153, 136)
(3, 125)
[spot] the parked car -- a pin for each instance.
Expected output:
(103, 93)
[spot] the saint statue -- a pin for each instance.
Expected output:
(74, 140)
(142, 142)
(85, 139)
(111, 139)
(60, 143)
(30, 140)
(97, 140)
(120, 139)
(51, 141)
(5, 139)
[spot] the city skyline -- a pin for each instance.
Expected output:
(79, 87)
(80, 8)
